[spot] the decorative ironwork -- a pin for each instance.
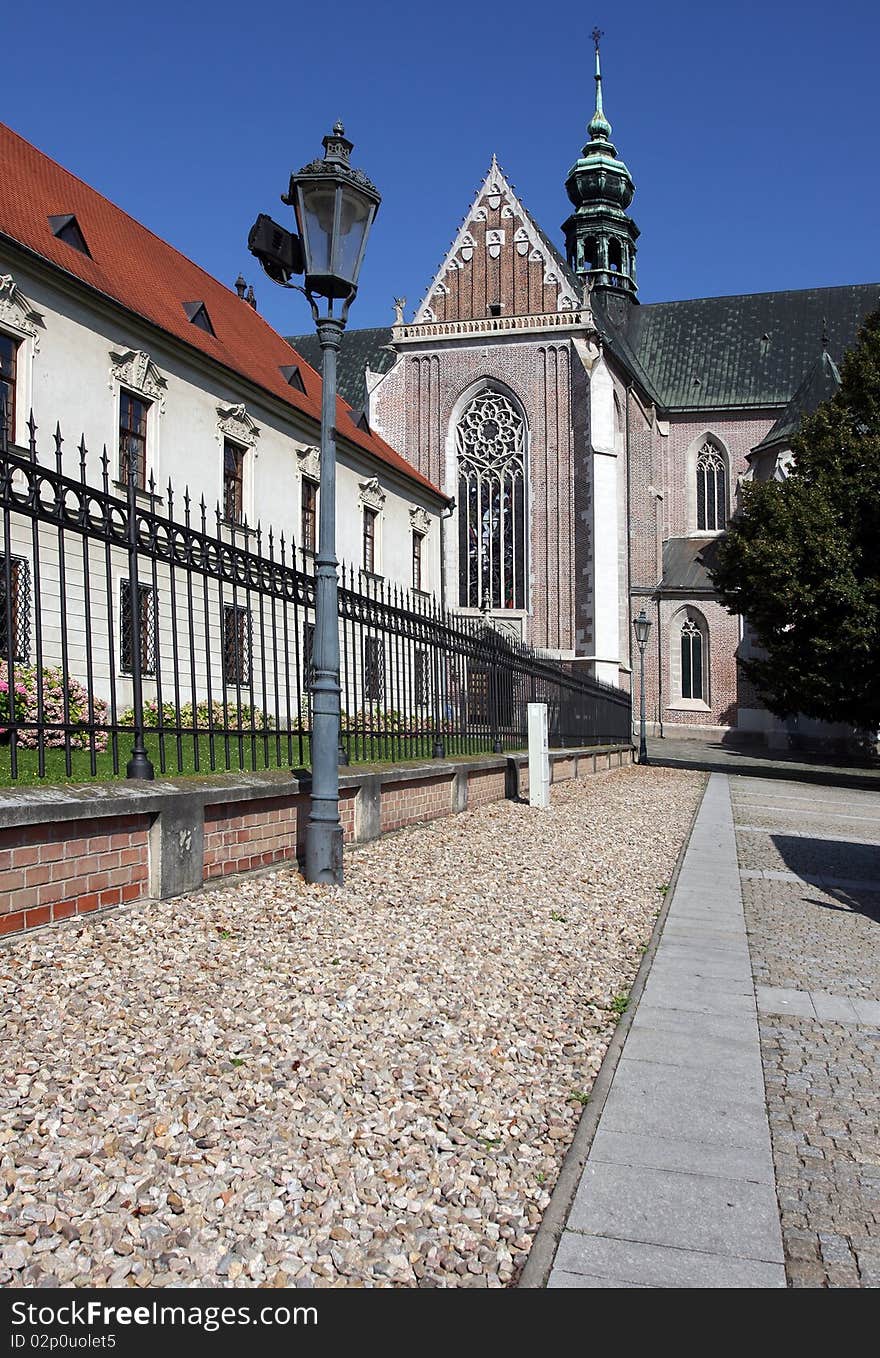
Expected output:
(224, 632)
(490, 441)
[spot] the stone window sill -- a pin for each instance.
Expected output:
(689, 705)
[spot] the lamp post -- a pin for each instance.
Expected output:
(642, 629)
(335, 205)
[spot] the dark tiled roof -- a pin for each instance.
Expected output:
(148, 277)
(820, 383)
(360, 349)
(686, 564)
(736, 352)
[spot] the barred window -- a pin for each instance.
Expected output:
(308, 653)
(146, 628)
(421, 678)
(374, 669)
(491, 443)
(711, 489)
(233, 481)
(133, 438)
(691, 660)
(236, 644)
(8, 367)
(15, 609)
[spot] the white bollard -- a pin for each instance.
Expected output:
(539, 756)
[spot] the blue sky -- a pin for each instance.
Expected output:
(751, 133)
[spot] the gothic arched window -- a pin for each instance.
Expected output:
(692, 685)
(490, 439)
(711, 489)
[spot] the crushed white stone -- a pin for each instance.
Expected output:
(274, 1084)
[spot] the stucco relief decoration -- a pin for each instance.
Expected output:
(309, 459)
(134, 369)
(420, 520)
(506, 211)
(490, 441)
(521, 241)
(236, 424)
(372, 495)
(17, 312)
(467, 247)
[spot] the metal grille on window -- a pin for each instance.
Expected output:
(421, 678)
(236, 644)
(374, 669)
(691, 660)
(308, 654)
(711, 489)
(15, 608)
(146, 628)
(233, 482)
(490, 440)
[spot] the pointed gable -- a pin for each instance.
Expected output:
(500, 263)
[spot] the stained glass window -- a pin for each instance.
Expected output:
(711, 489)
(490, 441)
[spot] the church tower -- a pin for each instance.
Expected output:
(600, 237)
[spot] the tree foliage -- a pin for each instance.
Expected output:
(801, 560)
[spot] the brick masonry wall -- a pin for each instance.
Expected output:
(416, 800)
(244, 836)
(50, 872)
(485, 786)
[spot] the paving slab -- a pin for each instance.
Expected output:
(678, 1188)
(660, 1266)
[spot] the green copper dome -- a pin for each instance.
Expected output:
(600, 237)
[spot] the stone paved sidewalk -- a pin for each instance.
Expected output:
(810, 869)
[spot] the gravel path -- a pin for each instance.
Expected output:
(270, 1083)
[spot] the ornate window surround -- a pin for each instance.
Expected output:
(236, 425)
(134, 370)
(19, 319)
(373, 497)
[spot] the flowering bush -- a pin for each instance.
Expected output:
(26, 708)
(206, 716)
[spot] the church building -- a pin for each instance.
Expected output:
(595, 446)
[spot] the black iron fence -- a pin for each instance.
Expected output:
(133, 616)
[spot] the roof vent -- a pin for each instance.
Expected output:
(292, 376)
(68, 229)
(197, 313)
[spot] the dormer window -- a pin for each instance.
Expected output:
(292, 376)
(68, 229)
(197, 314)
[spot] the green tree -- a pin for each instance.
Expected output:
(801, 560)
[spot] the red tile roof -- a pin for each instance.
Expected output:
(149, 277)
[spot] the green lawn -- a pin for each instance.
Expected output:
(248, 754)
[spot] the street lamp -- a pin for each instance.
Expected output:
(642, 629)
(335, 205)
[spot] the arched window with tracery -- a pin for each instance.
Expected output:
(490, 440)
(711, 489)
(692, 660)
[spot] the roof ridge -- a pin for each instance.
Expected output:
(769, 292)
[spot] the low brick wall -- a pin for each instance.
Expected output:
(72, 850)
(49, 872)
